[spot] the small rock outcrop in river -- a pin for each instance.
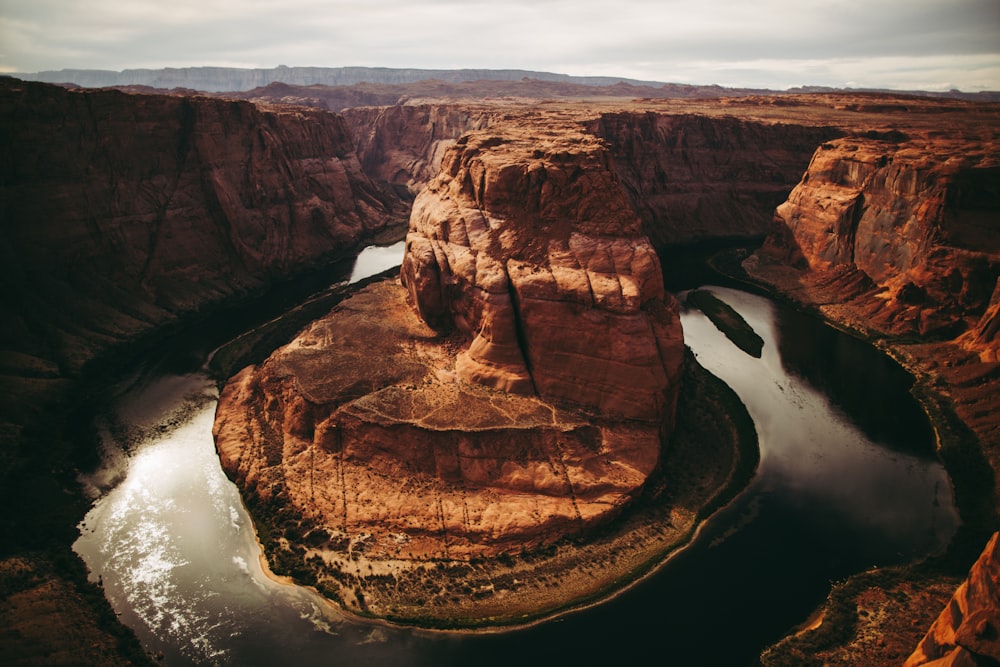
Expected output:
(528, 400)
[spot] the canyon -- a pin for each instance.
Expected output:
(531, 311)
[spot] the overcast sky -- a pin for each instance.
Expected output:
(902, 44)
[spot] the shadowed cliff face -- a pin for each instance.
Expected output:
(124, 212)
(913, 221)
(689, 177)
(694, 178)
(404, 145)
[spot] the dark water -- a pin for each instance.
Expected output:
(846, 481)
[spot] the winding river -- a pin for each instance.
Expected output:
(847, 481)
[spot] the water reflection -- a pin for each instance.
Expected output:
(178, 558)
(815, 452)
(376, 259)
(838, 366)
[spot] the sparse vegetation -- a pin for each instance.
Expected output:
(711, 455)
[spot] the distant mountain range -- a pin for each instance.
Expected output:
(223, 79)
(231, 79)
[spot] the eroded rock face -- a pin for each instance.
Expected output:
(535, 253)
(362, 424)
(915, 221)
(404, 145)
(516, 391)
(693, 178)
(968, 630)
(120, 214)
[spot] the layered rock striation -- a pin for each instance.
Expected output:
(892, 232)
(968, 630)
(912, 222)
(403, 145)
(122, 213)
(527, 402)
(694, 178)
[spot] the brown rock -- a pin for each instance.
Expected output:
(123, 212)
(694, 178)
(913, 218)
(534, 252)
(362, 424)
(968, 630)
(533, 405)
(404, 145)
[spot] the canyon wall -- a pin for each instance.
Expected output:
(893, 232)
(968, 630)
(122, 213)
(689, 177)
(538, 256)
(910, 224)
(694, 178)
(403, 145)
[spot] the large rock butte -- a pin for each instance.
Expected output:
(528, 401)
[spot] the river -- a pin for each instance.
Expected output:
(847, 480)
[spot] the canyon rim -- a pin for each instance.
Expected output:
(529, 356)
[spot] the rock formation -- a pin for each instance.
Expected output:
(518, 388)
(404, 145)
(892, 232)
(968, 630)
(533, 404)
(122, 213)
(912, 222)
(693, 178)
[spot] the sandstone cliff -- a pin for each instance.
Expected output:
(896, 235)
(537, 255)
(914, 222)
(404, 145)
(124, 212)
(892, 232)
(689, 177)
(694, 178)
(968, 630)
(533, 405)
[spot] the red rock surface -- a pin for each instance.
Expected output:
(122, 213)
(968, 630)
(404, 145)
(693, 178)
(893, 232)
(532, 249)
(915, 218)
(533, 408)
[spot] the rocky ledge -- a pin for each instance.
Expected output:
(968, 630)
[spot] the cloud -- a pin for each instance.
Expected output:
(833, 41)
